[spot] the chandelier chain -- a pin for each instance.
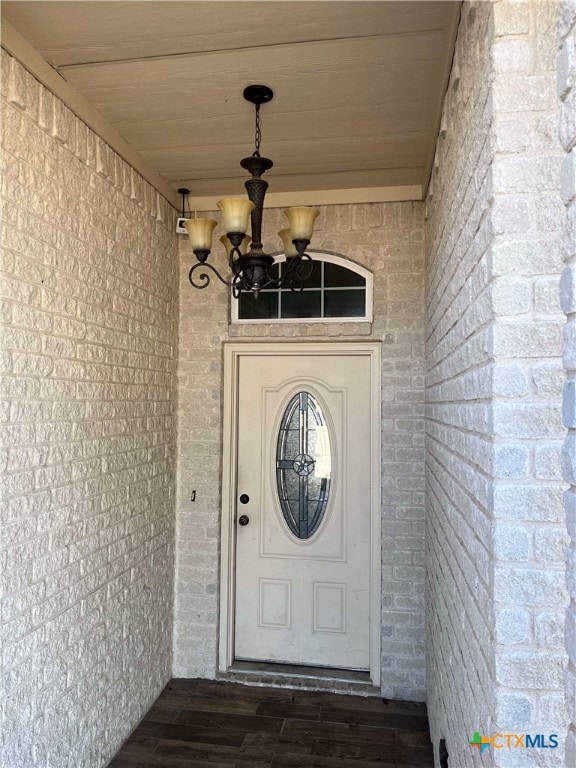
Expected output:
(258, 133)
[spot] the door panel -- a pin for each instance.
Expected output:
(302, 565)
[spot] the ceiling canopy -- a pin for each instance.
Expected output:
(358, 86)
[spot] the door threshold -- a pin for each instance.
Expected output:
(301, 677)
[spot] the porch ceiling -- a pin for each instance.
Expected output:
(358, 85)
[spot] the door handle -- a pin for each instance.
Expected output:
(243, 520)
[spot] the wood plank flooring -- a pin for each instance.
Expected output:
(206, 724)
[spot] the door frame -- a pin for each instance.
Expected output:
(233, 351)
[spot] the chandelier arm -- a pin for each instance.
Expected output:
(299, 266)
(299, 273)
(295, 284)
(271, 282)
(204, 279)
(236, 286)
(275, 281)
(235, 253)
(304, 267)
(291, 264)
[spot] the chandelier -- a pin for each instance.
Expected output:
(252, 270)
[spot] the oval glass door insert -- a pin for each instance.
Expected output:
(303, 465)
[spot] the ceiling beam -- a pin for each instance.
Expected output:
(324, 197)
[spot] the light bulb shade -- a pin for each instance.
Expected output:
(228, 245)
(289, 247)
(301, 221)
(235, 213)
(200, 233)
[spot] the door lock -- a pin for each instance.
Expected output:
(244, 499)
(243, 519)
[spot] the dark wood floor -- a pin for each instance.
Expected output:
(205, 724)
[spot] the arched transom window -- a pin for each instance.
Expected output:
(337, 291)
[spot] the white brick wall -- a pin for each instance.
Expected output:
(529, 542)
(89, 341)
(386, 238)
(566, 84)
(495, 557)
(460, 669)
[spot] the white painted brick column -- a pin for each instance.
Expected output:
(567, 95)
(525, 265)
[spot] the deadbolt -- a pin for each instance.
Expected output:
(243, 519)
(244, 499)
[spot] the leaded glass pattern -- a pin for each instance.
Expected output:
(303, 465)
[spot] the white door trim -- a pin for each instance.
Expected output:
(233, 351)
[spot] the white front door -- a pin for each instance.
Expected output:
(303, 508)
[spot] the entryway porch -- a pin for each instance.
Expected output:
(200, 723)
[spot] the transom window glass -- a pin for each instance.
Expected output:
(303, 465)
(336, 291)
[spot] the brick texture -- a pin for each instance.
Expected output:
(495, 556)
(89, 341)
(529, 542)
(566, 87)
(387, 239)
(460, 665)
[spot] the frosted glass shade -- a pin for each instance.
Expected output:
(200, 233)
(301, 221)
(289, 247)
(235, 213)
(228, 245)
